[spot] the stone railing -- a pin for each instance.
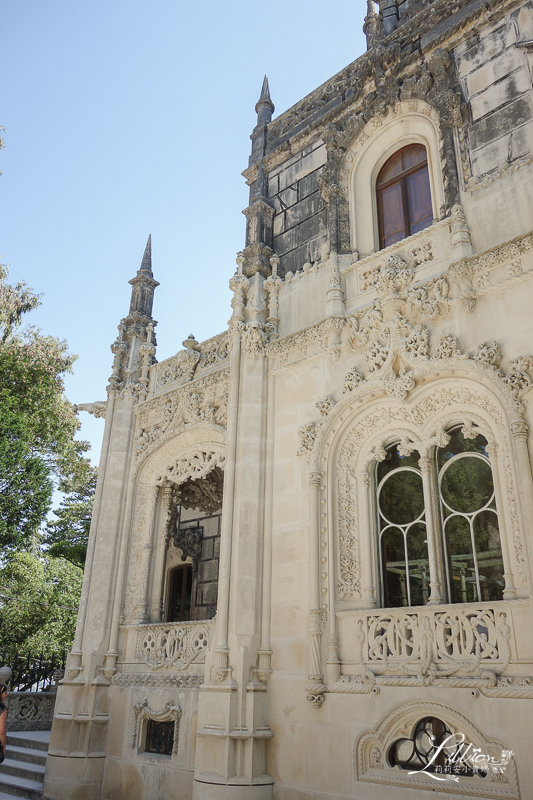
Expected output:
(179, 645)
(464, 645)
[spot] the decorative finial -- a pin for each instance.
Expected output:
(371, 24)
(264, 106)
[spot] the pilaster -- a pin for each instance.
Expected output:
(79, 731)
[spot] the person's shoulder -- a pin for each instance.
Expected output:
(3, 708)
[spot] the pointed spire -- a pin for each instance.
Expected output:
(264, 107)
(142, 293)
(265, 90)
(146, 264)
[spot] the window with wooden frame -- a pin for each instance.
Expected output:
(404, 195)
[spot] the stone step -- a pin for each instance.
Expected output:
(26, 754)
(36, 740)
(20, 787)
(21, 769)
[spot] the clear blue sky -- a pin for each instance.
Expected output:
(130, 118)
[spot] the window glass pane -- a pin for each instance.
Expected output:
(394, 568)
(393, 460)
(458, 444)
(420, 226)
(391, 169)
(489, 555)
(401, 498)
(392, 211)
(413, 155)
(417, 552)
(396, 237)
(462, 568)
(467, 484)
(159, 737)
(419, 199)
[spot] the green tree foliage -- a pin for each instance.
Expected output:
(39, 596)
(66, 537)
(37, 423)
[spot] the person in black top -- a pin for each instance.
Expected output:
(3, 716)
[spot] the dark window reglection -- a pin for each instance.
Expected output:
(404, 195)
(159, 737)
(433, 748)
(179, 606)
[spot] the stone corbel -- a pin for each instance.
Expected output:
(97, 409)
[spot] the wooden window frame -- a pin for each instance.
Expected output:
(402, 180)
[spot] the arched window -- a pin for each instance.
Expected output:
(464, 524)
(404, 195)
(469, 520)
(402, 530)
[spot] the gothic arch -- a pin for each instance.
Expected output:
(367, 419)
(191, 454)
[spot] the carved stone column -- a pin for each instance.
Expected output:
(365, 541)
(520, 432)
(158, 572)
(509, 592)
(315, 686)
(146, 562)
(436, 596)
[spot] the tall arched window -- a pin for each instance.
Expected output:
(464, 527)
(403, 536)
(469, 520)
(404, 195)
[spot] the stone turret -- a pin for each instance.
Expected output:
(142, 293)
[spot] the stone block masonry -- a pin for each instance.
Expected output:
(300, 221)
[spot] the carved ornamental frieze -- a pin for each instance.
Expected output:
(203, 401)
(173, 645)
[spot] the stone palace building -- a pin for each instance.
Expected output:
(309, 572)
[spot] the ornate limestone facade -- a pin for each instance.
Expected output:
(311, 545)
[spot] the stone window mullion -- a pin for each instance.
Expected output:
(433, 531)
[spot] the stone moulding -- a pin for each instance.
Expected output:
(172, 644)
(141, 711)
(428, 299)
(371, 750)
(407, 248)
(150, 680)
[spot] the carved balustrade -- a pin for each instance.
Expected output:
(181, 646)
(467, 643)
